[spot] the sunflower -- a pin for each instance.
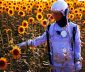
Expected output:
(40, 10)
(5, 3)
(81, 9)
(48, 15)
(3, 63)
(20, 2)
(76, 11)
(74, 4)
(1, 2)
(52, 19)
(21, 13)
(82, 4)
(21, 30)
(79, 4)
(83, 12)
(9, 3)
(78, 15)
(84, 22)
(15, 3)
(17, 8)
(37, 5)
(25, 24)
(39, 16)
(24, 8)
(71, 16)
(72, 9)
(29, 9)
(1, 11)
(6, 9)
(45, 8)
(44, 22)
(69, 3)
(10, 12)
(31, 20)
(16, 52)
(47, 5)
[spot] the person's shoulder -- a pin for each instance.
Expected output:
(51, 25)
(72, 24)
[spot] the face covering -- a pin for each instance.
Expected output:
(62, 22)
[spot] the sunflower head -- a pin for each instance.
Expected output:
(83, 11)
(17, 8)
(16, 52)
(21, 13)
(24, 8)
(29, 7)
(3, 63)
(84, 22)
(25, 24)
(6, 9)
(44, 22)
(1, 11)
(30, 20)
(72, 9)
(39, 16)
(71, 16)
(10, 12)
(0, 2)
(52, 18)
(68, 2)
(40, 10)
(78, 15)
(21, 29)
(76, 11)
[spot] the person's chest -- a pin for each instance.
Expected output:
(60, 38)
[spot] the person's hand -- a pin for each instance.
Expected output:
(78, 66)
(22, 45)
(25, 44)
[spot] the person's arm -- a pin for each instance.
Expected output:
(35, 42)
(77, 48)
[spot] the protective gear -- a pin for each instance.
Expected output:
(60, 6)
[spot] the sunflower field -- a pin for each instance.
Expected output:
(21, 20)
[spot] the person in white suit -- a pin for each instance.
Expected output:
(60, 38)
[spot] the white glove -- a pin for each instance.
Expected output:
(29, 42)
(78, 66)
(22, 44)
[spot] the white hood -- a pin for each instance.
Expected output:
(59, 5)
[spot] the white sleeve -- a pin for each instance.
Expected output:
(35, 42)
(77, 45)
(39, 40)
